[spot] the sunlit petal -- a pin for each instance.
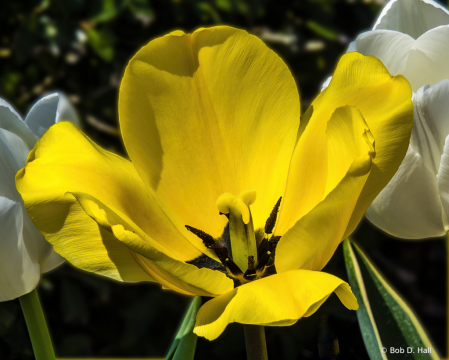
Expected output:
(172, 273)
(384, 102)
(277, 300)
(64, 160)
(311, 242)
(207, 113)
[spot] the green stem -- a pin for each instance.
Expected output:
(256, 346)
(37, 327)
(447, 290)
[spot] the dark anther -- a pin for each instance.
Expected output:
(207, 239)
(233, 268)
(221, 252)
(273, 242)
(250, 262)
(269, 225)
(263, 260)
(204, 261)
(250, 274)
(262, 248)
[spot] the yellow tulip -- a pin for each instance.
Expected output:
(226, 195)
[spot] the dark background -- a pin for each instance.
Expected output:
(81, 47)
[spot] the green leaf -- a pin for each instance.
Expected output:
(102, 41)
(224, 5)
(183, 347)
(209, 11)
(367, 324)
(322, 30)
(141, 7)
(108, 11)
(385, 320)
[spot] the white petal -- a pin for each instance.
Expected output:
(39, 249)
(443, 180)
(412, 17)
(429, 58)
(390, 47)
(19, 274)
(53, 261)
(66, 112)
(43, 114)
(431, 122)
(326, 83)
(10, 120)
(352, 46)
(13, 155)
(409, 206)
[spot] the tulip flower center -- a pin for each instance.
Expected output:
(245, 255)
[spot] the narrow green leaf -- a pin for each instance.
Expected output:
(322, 30)
(102, 41)
(367, 323)
(209, 10)
(108, 11)
(401, 334)
(183, 347)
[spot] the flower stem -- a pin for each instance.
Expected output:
(256, 346)
(37, 327)
(447, 294)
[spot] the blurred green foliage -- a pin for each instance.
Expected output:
(81, 47)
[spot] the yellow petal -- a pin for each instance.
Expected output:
(171, 273)
(277, 300)
(101, 254)
(310, 243)
(349, 141)
(307, 175)
(64, 160)
(207, 113)
(385, 103)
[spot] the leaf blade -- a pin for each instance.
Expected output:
(184, 344)
(396, 323)
(368, 327)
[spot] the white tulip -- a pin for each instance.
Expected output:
(411, 38)
(415, 204)
(24, 253)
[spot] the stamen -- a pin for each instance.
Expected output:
(262, 249)
(273, 242)
(250, 274)
(208, 240)
(221, 252)
(233, 268)
(269, 225)
(263, 260)
(250, 262)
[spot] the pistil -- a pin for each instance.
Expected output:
(241, 230)
(242, 259)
